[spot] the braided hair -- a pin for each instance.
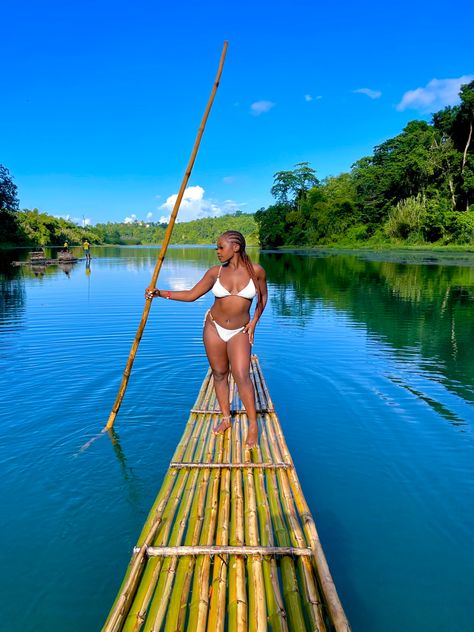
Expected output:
(237, 238)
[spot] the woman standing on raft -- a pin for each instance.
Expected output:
(228, 330)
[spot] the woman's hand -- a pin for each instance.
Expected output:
(249, 329)
(151, 292)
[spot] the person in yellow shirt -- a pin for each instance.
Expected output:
(87, 249)
(66, 247)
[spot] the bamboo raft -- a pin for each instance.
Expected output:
(230, 543)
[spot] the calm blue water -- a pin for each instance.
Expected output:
(369, 363)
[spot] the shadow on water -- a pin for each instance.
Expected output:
(427, 308)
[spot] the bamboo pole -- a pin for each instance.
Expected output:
(240, 466)
(274, 600)
(160, 602)
(237, 606)
(291, 592)
(219, 576)
(247, 550)
(256, 585)
(138, 610)
(200, 591)
(333, 603)
(312, 600)
(121, 606)
(164, 247)
(179, 597)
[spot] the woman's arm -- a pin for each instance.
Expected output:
(202, 287)
(262, 286)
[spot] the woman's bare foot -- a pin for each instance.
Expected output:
(252, 436)
(223, 425)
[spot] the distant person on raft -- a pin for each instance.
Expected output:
(228, 329)
(87, 249)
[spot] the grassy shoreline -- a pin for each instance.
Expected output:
(374, 247)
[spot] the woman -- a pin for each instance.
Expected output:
(228, 329)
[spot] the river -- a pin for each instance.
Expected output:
(368, 358)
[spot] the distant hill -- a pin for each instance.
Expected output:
(34, 228)
(199, 231)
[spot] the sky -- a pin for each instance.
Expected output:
(100, 101)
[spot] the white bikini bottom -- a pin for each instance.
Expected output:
(223, 333)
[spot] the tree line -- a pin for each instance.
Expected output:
(415, 188)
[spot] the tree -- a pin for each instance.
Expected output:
(8, 207)
(456, 124)
(294, 183)
(272, 229)
(400, 168)
(8, 191)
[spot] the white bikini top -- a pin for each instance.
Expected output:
(219, 291)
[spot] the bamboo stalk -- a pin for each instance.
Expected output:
(245, 550)
(332, 601)
(256, 586)
(160, 601)
(185, 565)
(200, 603)
(164, 247)
(237, 606)
(219, 576)
(312, 600)
(180, 466)
(138, 610)
(274, 601)
(135, 569)
(291, 591)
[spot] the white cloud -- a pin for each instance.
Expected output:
(308, 97)
(228, 179)
(259, 107)
(149, 216)
(80, 221)
(129, 220)
(194, 206)
(437, 94)
(372, 94)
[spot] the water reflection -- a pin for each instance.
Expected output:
(128, 474)
(429, 308)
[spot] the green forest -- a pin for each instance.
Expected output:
(415, 189)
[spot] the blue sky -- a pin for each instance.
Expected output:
(101, 101)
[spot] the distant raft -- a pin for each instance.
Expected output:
(38, 258)
(230, 542)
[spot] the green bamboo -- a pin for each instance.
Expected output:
(237, 607)
(200, 602)
(291, 591)
(331, 599)
(160, 601)
(138, 609)
(219, 576)
(274, 600)
(256, 587)
(311, 597)
(184, 571)
(132, 576)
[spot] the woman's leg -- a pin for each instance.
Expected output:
(238, 350)
(216, 351)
